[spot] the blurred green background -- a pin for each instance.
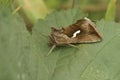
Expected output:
(32, 10)
(24, 54)
(95, 8)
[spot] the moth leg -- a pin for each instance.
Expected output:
(73, 46)
(53, 47)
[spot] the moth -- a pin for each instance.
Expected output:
(83, 31)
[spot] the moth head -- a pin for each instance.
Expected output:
(58, 37)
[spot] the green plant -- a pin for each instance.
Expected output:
(23, 56)
(110, 13)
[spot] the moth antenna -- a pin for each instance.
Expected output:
(44, 35)
(16, 10)
(73, 46)
(53, 47)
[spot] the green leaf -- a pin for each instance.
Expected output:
(14, 47)
(97, 61)
(110, 14)
(23, 56)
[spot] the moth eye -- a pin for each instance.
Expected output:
(75, 33)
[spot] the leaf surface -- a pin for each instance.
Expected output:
(95, 61)
(23, 56)
(14, 47)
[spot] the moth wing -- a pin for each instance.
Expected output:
(87, 38)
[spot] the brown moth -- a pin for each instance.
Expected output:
(83, 31)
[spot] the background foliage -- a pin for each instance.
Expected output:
(23, 53)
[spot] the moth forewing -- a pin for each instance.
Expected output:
(94, 27)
